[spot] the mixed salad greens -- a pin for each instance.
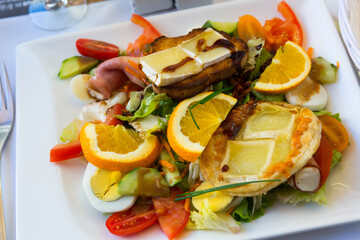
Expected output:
(143, 111)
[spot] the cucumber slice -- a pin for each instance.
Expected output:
(76, 65)
(228, 27)
(92, 71)
(323, 71)
(172, 178)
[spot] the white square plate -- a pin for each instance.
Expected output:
(50, 202)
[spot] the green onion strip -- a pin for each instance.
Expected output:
(200, 192)
(206, 99)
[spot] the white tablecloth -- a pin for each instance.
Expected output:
(16, 30)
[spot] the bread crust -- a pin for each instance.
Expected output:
(210, 75)
(304, 141)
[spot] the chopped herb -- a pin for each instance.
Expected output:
(206, 99)
(197, 193)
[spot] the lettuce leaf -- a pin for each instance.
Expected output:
(287, 194)
(260, 61)
(251, 208)
(207, 219)
(255, 46)
(336, 158)
(266, 97)
(148, 105)
(323, 112)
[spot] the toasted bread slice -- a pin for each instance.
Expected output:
(210, 75)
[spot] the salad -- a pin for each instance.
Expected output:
(205, 130)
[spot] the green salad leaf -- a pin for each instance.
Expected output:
(336, 158)
(251, 208)
(207, 219)
(266, 97)
(323, 112)
(287, 194)
(255, 47)
(260, 61)
(148, 105)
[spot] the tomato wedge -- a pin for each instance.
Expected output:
(117, 109)
(96, 49)
(133, 220)
(66, 151)
(136, 48)
(278, 32)
(172, 215)
(323, 157)
(335, 132)
(249, 27)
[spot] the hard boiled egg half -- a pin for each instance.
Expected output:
(309, 94)
(101, 190)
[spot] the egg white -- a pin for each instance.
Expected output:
(316, 102)
(121, 204)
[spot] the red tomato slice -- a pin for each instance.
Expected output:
(149, 34)
(131, 221)
(96, 49)
(66, 151)
(323, 158)
(172, 215)
(117, 109)
(249, 27)
(278, 32)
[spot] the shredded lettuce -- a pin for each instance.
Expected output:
(323, 112)
(148, 105)
(165, 108)
(336, 158)
(287, 194)
(251, 208)
(207, 219)
(260, 61)
(246, 99)
(255, 45)
(71, 131)
(266, 97)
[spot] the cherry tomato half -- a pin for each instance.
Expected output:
(335, 132)
(133, 220)
(278, 32)
(323, 157)
(66, 151)
(96, 49)
(117, 109)
(172, 215)
(249, 27)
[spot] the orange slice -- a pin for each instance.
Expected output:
(184, 137)
(289, 67)
(117, 148)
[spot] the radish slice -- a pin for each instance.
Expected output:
(308, 179)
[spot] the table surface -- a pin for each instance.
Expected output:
(17, 30)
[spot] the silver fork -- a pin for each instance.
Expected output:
(6, 124)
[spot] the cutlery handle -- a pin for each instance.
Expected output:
(2, 218)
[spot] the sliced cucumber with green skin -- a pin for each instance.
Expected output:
(145, 182)
(92, 71)
(228, 27)
(173, 177)
(323, 71)
(76, 65)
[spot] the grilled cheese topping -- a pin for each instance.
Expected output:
(189, 58)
